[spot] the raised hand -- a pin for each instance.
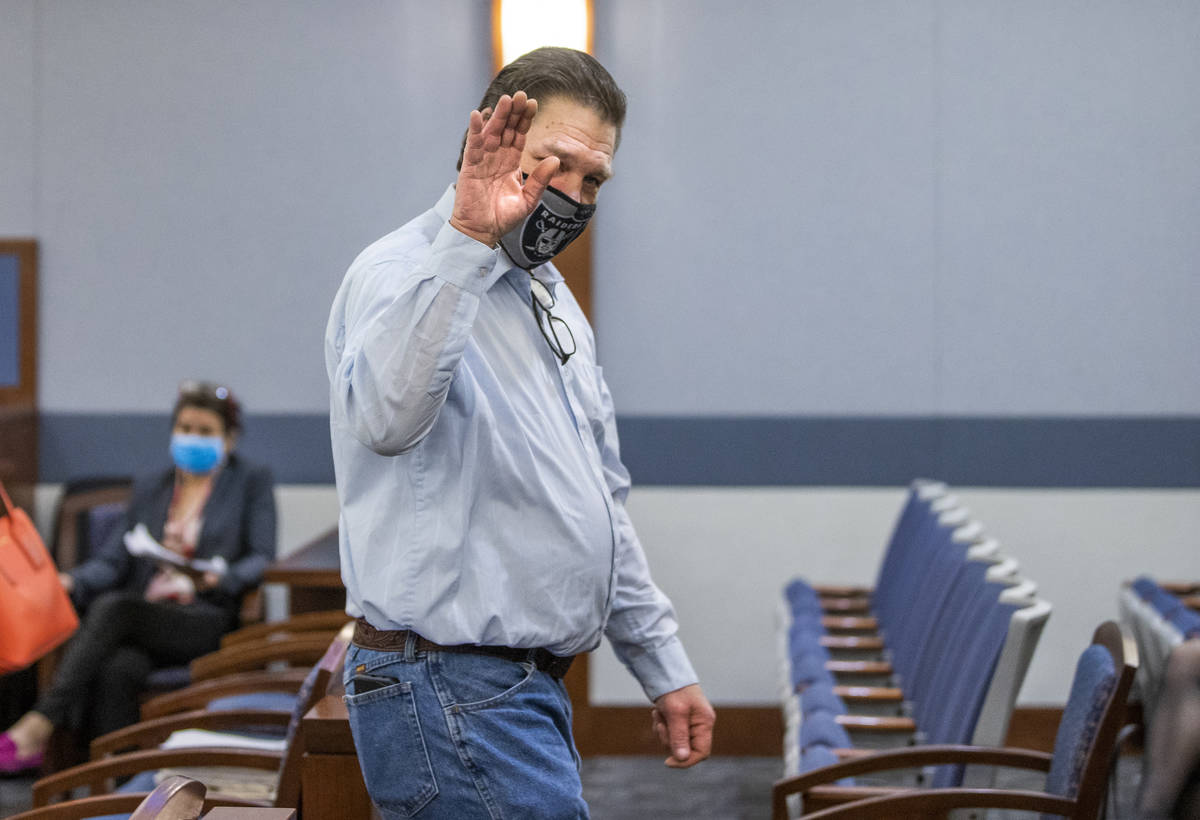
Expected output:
(491, 198)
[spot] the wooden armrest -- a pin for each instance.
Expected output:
(869, 694)
(325, 621)
(823, 797)
(850, 623)
(304, 649)
(100, 805)
(149, 734)
(936, 802)
(866, 723)
(875, 668)
(845, 605)
(913, 757)
(841, 591)
(854, 754)
(908, 758)
(199, 694)
(850, 642)
(93, 773)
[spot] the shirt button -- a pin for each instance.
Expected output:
(483, 271)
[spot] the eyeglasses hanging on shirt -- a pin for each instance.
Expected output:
(555, 331)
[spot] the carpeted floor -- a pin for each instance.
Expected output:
(641, 788)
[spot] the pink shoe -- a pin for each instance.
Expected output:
(12, 762)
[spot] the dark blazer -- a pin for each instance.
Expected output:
(239, 525)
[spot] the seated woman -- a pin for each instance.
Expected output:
(142, 613)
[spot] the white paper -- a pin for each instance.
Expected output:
(193, 738)
(140, 542)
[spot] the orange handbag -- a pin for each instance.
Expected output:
(35, 612)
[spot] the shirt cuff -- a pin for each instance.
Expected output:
(662, 669)
(465, 262)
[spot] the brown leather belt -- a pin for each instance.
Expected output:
(394, 640)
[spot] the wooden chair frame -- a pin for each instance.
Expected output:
(97, 774)
(893, 803)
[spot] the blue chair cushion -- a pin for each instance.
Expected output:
(808, 668)
(278, 701)
(168, 678)
(820, 697)
(822, 728)
(1186, 621)
(1144, 586)
(1093, 685)
(819, 755)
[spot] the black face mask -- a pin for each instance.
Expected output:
(554, 223)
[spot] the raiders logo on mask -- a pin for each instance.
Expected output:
(551, 226)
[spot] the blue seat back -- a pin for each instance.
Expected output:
(934, 574)
(1091, 690)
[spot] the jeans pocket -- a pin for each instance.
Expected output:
(468, 682)
(391, 749)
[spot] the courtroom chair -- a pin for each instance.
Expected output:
(323, 621)
(210, 764)
(233, 676)
(263, 672)
(88, 511)
(1077, 771)
(175, 798)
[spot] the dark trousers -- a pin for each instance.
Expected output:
(121, 639)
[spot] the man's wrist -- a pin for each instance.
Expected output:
(488, 240)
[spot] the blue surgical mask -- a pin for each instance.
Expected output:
(197, 454)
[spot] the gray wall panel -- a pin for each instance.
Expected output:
(210, 169)
(766, 246)
(1070, 183)
(821, 208)
(18, 23)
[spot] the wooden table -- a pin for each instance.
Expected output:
(230, 813)
(312, 574)
(330, 780)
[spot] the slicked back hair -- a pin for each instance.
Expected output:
(551, 71)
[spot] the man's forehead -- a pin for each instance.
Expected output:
(563, 113)
(565, 126)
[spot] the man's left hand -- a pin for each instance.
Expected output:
(683, 721)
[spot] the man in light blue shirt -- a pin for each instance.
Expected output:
(484, 537)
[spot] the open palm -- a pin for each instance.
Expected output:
(491, 198)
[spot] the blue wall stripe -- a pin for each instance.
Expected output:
(1161, 452)
(10, 320)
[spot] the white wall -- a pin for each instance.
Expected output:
(723, 556)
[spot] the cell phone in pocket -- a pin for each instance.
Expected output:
(369, 683)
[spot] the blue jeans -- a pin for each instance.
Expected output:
(462, 736)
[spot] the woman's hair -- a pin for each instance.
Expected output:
(210, 396)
